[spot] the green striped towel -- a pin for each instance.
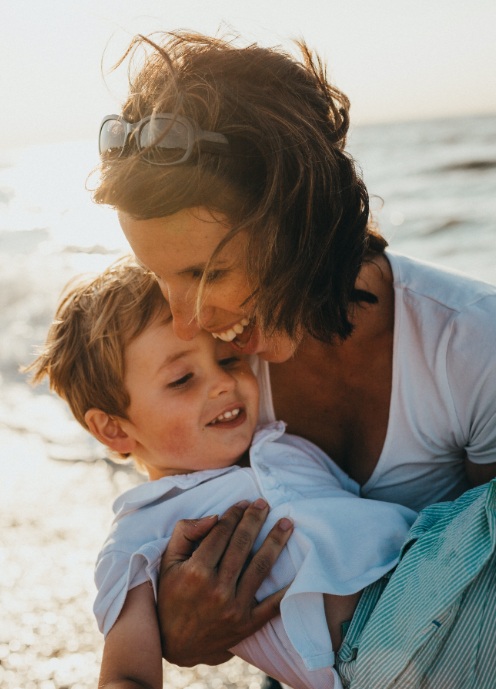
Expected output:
(432, 623)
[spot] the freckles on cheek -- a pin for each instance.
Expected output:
(178, 442)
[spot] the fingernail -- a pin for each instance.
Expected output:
(210, 516)
(260, 504)
(285, 524)
(243, 504)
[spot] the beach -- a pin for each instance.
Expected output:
(433, 196)
(52, 519)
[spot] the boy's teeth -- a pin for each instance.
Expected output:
(227, 416)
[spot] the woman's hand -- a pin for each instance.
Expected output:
(206, 598)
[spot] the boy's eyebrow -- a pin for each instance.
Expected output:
(171, 359)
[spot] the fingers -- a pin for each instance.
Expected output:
(263, 561)
(205, 605)
(267, 609)
(238, 542)
(233, 537)
(228, 546)
(184, 538)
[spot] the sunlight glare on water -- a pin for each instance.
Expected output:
(44, 187)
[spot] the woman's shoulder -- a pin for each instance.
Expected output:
(444, 286)
(447, 320)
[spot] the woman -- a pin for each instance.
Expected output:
(229, 172)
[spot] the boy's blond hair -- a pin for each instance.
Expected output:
(84, 353)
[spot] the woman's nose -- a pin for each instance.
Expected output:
(185, 329)
(183, 312)
(184, 315)
(184, 323)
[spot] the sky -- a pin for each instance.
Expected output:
(395, 59)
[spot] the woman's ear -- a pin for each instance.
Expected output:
(109, 431)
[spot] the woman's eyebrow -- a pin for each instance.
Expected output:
(200, 267)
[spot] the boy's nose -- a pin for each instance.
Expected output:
(222, 383)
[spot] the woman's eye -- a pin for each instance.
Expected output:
(214, 275)
(180, 382)
(211, 276)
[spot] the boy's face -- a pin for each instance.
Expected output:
(194, 404)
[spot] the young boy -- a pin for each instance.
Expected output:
(186, 412)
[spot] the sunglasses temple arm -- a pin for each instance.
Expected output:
(213, 137)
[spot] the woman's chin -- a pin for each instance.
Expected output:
(277, 356)
(275, 349)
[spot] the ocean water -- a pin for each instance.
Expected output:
(434, 197)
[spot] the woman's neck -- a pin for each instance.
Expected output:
(338, 394)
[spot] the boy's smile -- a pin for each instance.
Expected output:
(194, 404)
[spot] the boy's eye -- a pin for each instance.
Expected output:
(180, 382)
(230, 361)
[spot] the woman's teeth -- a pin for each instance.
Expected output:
(234, 331)
(226, 416)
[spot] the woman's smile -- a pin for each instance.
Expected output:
(233, 332)
(178, 249)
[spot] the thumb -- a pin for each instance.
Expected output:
(184, 540)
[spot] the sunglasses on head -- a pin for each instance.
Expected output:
(162, 139)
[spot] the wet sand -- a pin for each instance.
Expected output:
(53, 518)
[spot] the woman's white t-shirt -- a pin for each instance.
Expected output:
(443, 400)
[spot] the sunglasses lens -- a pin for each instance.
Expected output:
(112, 137)
(165, 141)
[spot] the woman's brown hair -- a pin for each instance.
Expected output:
(286, 180)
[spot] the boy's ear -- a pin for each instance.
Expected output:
(109, 431)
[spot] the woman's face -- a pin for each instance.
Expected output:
(177, 249)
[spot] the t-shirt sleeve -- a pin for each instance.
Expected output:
(471, 374)
(117, 572)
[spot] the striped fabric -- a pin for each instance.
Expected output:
(433, 624)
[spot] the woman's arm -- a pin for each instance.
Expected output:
(478, 474)
(471, 372)
(132, 657)
(339, 610)
(206, 599)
